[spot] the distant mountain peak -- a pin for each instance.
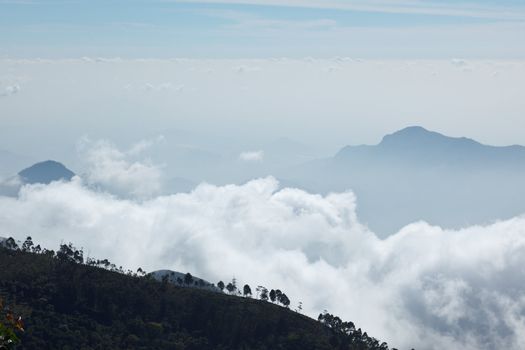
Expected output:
(416, 135)
(414, 129)
(46, 172)
(411, 132)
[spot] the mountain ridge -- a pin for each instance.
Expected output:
(415, 174)
(417, 144)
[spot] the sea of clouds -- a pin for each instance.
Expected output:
(423, 287)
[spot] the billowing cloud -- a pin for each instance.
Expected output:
(252, 156)
(119, 172)
(423, 287)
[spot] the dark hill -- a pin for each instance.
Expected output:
(45, 173)
(67, 305)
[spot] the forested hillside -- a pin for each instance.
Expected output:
(66, 304)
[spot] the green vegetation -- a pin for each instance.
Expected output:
(9, 326)
(69, 303)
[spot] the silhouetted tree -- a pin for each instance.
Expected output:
(272, 296)
(28, 244)
(230, 288)
(188, 279)
(221, 285)
(10, 243)
(246, 291)
(78, 257)
(66, 253)
(299, 307)
(234, 283)
(37, 249)
(258, 291)
(264, 294)
(283, 299)
(278, 295)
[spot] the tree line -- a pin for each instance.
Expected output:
(262, 293)
(346, 335)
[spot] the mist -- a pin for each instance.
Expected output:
(230, 106)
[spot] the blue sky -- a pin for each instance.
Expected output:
(256, 28)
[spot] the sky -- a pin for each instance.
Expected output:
(356, 71)
(260, 28)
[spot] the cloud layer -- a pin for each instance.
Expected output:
(423, 287)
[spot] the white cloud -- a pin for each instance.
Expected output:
(9, 90)
(119, 172)
(252, 156)
(423, 287)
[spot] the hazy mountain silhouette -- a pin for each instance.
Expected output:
(45, 173)
(416, 174)
(418, 146)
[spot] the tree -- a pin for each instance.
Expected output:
(264, 294)
(221, 285)
(66, 253)
(258, 291)
(188, 278)
(247, 291)
(299, 307)
(37, 249)
(78, 256)
(232, 287)
(10, 243)
(272, 296)
(283, 299)
(27, 245)
(278, 295)
(9, 324)
(234, 283)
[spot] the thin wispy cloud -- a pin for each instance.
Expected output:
(472, 9)
(9, 90)
(254, 156)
